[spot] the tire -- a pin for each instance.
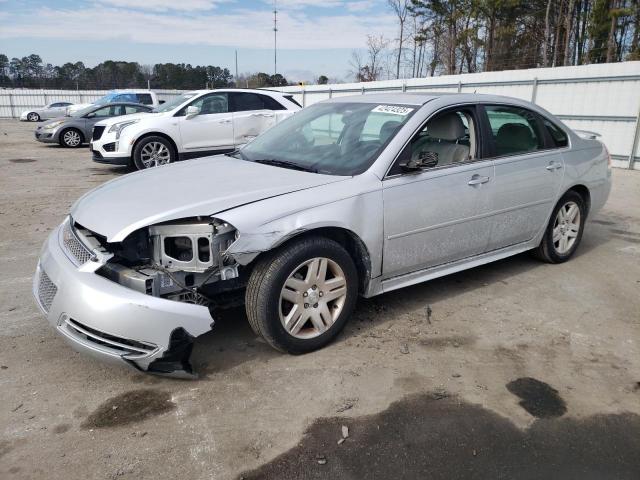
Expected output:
(71, 138)
(268, 311)
(153, 151)
(568, 225)
(33, 117)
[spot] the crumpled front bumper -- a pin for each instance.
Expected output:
(112, 322)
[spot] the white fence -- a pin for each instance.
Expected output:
(602, 98)
(14, 101)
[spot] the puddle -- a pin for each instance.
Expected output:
(538, 398)
(130, 407)
(22, 160)
(431, 437)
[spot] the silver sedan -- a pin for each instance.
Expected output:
(353, 196)
(52, 110)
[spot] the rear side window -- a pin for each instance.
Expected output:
(558, 137)
(242, 102)
(514, 130)
(145, 98)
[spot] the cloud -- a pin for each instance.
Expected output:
(165, 5)
(240, 28)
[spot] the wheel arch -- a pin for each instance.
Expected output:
(154, 134)
(584, 192)
(350, 241)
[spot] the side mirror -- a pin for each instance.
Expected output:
(192, 111)
(424, 160)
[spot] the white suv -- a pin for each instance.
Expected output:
(195, 124)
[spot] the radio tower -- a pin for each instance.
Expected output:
(275, 37)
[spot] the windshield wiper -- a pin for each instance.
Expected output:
(285, 164)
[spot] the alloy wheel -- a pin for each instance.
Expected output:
(312, 298)
(566, 227)
(71, 138)
(154, 154)
(33, 117)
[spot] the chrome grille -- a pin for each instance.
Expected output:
(107, 342)
(72, 245)
(46, 291)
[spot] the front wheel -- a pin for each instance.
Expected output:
(564, 232)
(300, 297)
(71, 138)
(33, 117)
(152, 152)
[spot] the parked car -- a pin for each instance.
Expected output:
(143, 97)
(195, 124)
(52, 110)
(75, 129)
(352, 196)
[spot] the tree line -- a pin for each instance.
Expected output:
(465, 36)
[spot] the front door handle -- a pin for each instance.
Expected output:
(553, 166)
(225, 121)
(477, 180)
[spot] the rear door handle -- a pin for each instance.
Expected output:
(553, 166)
(477, 180)
(226, 120)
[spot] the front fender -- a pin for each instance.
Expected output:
(354, 206)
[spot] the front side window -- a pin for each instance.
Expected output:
(448, 138)
(109, 111)
(514, 130)
(330, 138)
(208, 104)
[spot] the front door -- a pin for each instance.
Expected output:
(528, 174)
(211, 129)
(440, 213)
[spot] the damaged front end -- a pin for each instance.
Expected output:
(143, 300)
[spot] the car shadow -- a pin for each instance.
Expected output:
(231, 342)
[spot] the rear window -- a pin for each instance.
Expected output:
(557, 135)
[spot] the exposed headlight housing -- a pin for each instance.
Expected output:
(120, 126)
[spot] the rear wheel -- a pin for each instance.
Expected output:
(71, 138)
(300, 297)
(564, 232)
(152, 152)
(33, 117)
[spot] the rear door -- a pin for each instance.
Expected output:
(528, 173)
(211, 129)
(252, 114)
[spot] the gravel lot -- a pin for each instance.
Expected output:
(512, 370)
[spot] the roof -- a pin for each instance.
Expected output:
(420, 98)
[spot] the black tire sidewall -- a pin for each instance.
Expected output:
(304, 251)
(62, 142)
(553, 255)
(137, 162)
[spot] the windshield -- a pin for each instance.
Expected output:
(174, 102)
(331, 138)
(108, 98)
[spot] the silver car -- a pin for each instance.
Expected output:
(52, 110)
(353, 196)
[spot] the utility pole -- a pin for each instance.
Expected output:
(236, 82)
(275, 37)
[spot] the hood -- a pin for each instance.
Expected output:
(78, 106)
(192, 188)
(132, 116)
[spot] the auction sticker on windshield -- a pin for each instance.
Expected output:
(394, 109)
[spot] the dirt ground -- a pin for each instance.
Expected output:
(512, 370)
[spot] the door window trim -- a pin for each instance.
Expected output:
(481, 144)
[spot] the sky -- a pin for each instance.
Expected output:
(315, 37)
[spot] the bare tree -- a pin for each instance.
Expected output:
(371, 69)
(401, 9)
